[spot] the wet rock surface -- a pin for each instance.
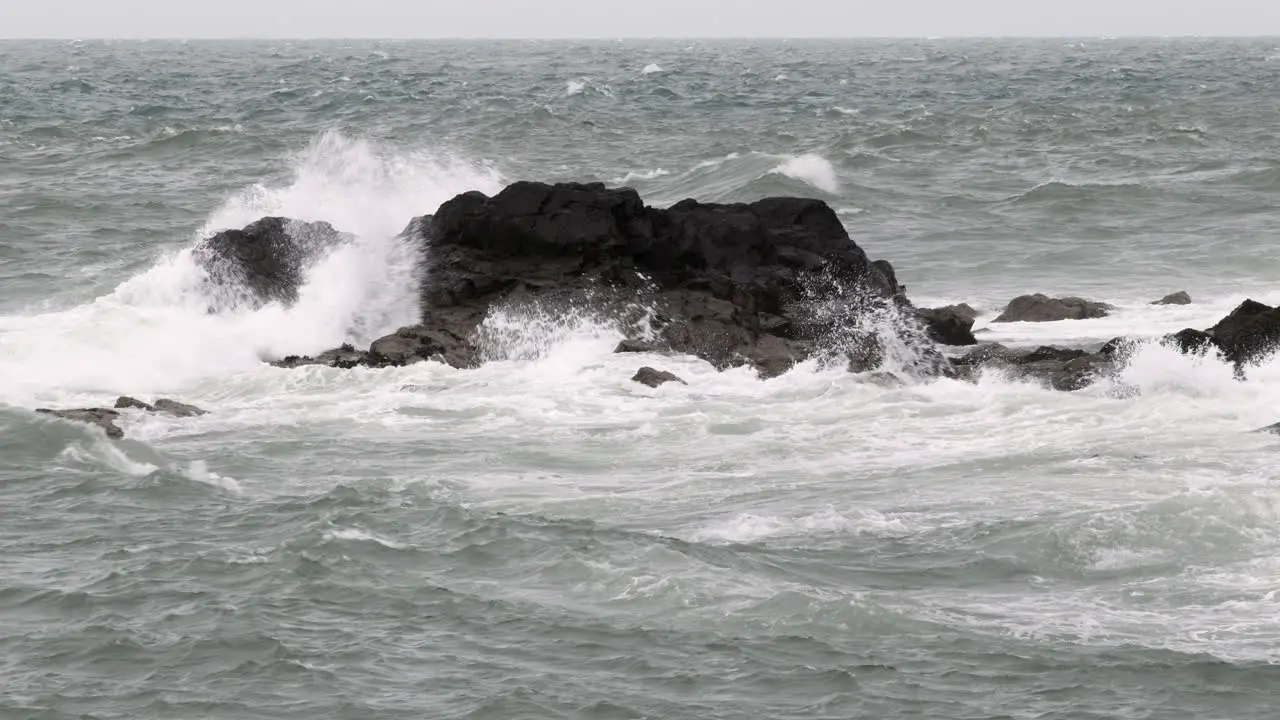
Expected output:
(654, 378)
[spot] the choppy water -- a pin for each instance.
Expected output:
(542, 538)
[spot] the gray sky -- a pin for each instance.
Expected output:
(632, 18)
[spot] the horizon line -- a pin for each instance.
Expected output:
(614, 38)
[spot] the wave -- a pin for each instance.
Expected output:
(812, 169)
(153, 332)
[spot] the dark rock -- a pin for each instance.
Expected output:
(736, 284)
(1250, 333)
(1042, 308)
(962, 310)
(1046, 352)
(344, 357)
(100, 417)
(125, 402)
(1178, 298)
(1066, 369)
(1191, 342)
(177, 409)
(653, 378)
(265, 261)
(635, 346)
(947, 325)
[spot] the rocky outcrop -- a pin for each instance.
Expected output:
(653, 378)
(163, 406)
(952, 325)
(104, 418)
(1250, 333)
(1178, 298)
(1066, 369)
(265, 261)
(765, 284)
(1042, 308)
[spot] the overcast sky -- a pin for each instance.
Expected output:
(632, 18)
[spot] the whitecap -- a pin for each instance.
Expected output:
(812, 169)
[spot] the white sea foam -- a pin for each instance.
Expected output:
(358, 535)
(575, 87)
(153, 333)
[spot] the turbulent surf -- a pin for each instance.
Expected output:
(534, 534)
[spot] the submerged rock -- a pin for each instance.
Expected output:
(634, 346)
(1178, 298)
(1066, 369)
(653, 378)
(267, 260)
(1042, 308)
(100, 417)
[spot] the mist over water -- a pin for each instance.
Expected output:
(542, 537)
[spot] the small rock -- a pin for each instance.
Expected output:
(124, 402)
(634, 346)
(1178, 298)
(1042, 308)
(102, 417)
(177, 409)
(653, 378)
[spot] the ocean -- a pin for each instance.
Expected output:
(542, 537)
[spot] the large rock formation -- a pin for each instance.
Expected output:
(766, 284)
(265, 261)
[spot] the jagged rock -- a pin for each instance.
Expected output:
(653, 378)
(735, 284)
(1250, 333)
(177, 409)
(635, 346)
(267, 260)
(344, 357)
(949, 325)
(100, 417)
(124, 402)
(988, 353)
(1042, 308)
(1066, 369)
(1178, 298)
